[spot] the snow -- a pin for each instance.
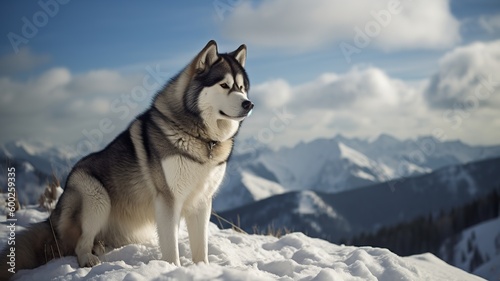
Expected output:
(28, 167)
(341, 164)
(41, 155)
(490, 270)
(354, 156)
(298, 168)
(323, 164)
(260, 188)
(30, 149)
(239, 256)
(310, 203)
(483, 239)
(435, 265)
(35, 147)
(412, 169)
(364, 175)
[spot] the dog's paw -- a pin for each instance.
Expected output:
(98, 248)
(88, 260)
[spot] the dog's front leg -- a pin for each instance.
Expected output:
(197, 225)
(167, 221)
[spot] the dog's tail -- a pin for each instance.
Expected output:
(28, 249)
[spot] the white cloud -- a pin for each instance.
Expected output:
(365, 102)
(421, 24)
(271, 94)
(101, 82)
(32, 95)
(308, 25)
(362, 102)
(65, 102)
(369, 87)
(24, 60)
(49, 85)
(99, 106)
(467, 77)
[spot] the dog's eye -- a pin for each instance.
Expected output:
(224, 86)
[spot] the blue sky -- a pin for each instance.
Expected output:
(58, 83)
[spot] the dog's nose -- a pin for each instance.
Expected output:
(247, 105)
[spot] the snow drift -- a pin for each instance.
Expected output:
(238, 256)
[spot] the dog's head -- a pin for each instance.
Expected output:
(219, 86)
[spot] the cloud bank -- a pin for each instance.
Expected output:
(309, 25)
(363, 102)
(58, 105)
(467, 76)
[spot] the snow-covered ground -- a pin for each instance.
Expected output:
(238, 256)
(482, 242)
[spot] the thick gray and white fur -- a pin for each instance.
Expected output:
(166, 165)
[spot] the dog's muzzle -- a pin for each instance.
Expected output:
(247, 106)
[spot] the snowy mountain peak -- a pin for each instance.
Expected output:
(38, 148)
(354, 156)
(42, 155)
(259, 187)
(309, 203)
(33, 147)
(385, 140)
(256, 171)
(339, 164)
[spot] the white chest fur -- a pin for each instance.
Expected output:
(191, 183)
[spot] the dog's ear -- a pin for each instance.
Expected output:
(206, 57)
(240, 54)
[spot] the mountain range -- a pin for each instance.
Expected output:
(337, 164)
(35, 162)
(335, 216)
(256, 172)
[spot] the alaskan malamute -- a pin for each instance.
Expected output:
(166, 165)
